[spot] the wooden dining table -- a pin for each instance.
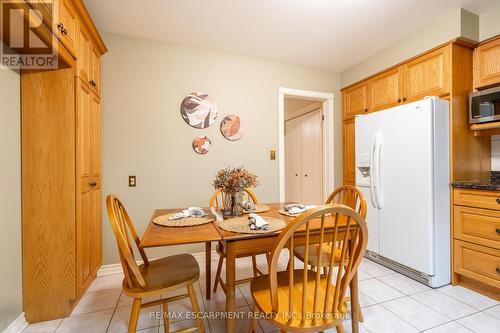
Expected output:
(235, 244)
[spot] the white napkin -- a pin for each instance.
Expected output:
(248, 205)
(190, 212)
(298, 208)
(257, 222)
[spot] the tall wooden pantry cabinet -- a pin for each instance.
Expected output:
(61, 167)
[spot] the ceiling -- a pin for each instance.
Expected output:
(326, 34)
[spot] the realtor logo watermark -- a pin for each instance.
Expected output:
(24, 47)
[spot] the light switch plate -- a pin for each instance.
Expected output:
(272, 154)
(132, 181)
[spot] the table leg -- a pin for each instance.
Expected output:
(354, 304)
(230, 286)
(208, 267)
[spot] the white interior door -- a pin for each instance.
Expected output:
(406, 214)
(293, 160)
(304, 158)
(312, 158)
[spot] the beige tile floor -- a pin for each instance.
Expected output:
(391, 303)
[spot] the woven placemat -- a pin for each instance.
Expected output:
(240, 225)
(258, 209)
(184, 222)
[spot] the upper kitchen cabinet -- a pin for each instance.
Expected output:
(66, 22)
(428, 75)
(355, 100)
(487, 64)
(386, 89)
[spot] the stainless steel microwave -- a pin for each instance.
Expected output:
(484, 106)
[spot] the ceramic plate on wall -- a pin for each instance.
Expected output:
(198, 110)
(202, 144)
(231, 128)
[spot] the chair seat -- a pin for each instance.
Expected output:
(261, 295)
(312, 257)
(166, 273)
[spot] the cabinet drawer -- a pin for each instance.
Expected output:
(478, 262)
(476, 198)
(480, 226)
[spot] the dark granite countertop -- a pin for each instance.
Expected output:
(483, 184)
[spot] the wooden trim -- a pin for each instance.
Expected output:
(89, 24)
(489, 40)
(459, 41)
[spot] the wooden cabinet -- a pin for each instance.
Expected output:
(428, 75)
(348, 134)
(386, 89)
(66, 24)
(61, 172)
(355, 100)
(487, 64)
(476, 235)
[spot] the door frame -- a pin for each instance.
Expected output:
(328, 131)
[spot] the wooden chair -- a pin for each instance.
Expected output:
(217, 200)
(152, 278)
(303, 300)
(347, 195)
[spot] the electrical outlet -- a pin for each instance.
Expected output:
(132, 181)
(272, 154)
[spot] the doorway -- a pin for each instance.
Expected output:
(303, 151)
(316, 107)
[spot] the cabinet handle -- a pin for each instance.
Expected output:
(498, 231)
(93, 184)
(498, 201)
(92, 83)
(404, 99)
(60, 26)
(399, 100)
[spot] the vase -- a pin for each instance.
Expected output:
(232, 205)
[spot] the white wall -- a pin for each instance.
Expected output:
(489, 24)
(143, 134)
(10, 198)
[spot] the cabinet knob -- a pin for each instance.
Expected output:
(93, 184)
(498, 201)
(399, 100)
(296, 174)
(498, 270)
(62, 29)
(93, 83)
(366, 110)
(498, 231)
(305, 175)
(404, 99)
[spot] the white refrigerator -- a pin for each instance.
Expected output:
(402, 168)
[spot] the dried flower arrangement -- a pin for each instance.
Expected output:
(232, 181)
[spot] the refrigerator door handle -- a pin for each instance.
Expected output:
(372, 170)
(376, 171)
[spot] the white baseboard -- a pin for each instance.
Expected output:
(117, 268)
(17, 326)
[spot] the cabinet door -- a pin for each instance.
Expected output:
(84, 190)
(387, 89)
(95, 70)
(428, 75)
(487, 64)
(293, 160)
(66, 24)
(355, 100)
(95, 169)
(348, 133)
(312, 147)
(84, 54)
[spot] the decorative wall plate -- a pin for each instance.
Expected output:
(198, 110)
(202, 144)
(231, 127)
